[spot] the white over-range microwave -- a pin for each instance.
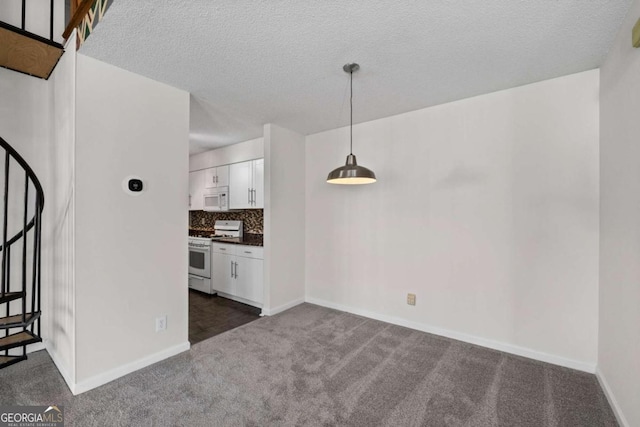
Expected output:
(216, 199)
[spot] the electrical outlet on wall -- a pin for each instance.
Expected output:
(411, 299)
(161, 323)
(202, 221)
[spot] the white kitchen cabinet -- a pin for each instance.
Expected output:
(248, 277)
(196, 190)
(240, 185)
(237, 271)
(246, 185)
(221, 273)
(258, 183)
(216, 177)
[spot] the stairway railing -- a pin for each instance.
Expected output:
(85, 14)
(23, 20)
(29, 53)
(28, 293)
(23, 50)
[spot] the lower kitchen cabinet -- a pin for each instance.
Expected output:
(222, 273)
(238, 272)
(248, 276)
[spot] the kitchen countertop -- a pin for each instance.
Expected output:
(248, 239)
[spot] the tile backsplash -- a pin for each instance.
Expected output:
(253, 219)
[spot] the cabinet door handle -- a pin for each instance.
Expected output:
(236, 269)
(223, 249)
(248, 252)
(254, 197)
(189, 200)
(232, 269)
(249, 195)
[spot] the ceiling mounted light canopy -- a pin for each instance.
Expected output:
(351, 173)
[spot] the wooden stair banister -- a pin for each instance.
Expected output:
(32, 54)
(78, 15)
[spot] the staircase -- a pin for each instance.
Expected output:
(26, 52)
(32, 54)
(20, 296)
(20, 274)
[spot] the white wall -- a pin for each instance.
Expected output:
(58, 227)
(486, 208)
(131, 252)
(241, 152)
(619, 345)
(284, 218)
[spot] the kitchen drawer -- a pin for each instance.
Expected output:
(256, 252)
(223, 248)
(200, 283)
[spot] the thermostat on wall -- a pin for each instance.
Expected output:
(133, 185)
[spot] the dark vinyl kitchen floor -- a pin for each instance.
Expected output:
(212, 315)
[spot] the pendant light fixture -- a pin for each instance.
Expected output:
(351, 173)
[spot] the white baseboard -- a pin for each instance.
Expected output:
(611, 398)
(239, 299)
(281, 308)
(66, 375)
(483, 342)
(123, 370)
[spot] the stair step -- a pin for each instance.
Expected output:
(10, 360)
(10, 296)
(28, 53)
(16, 321)
(18, 340)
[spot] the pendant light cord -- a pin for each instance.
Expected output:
(351, 109)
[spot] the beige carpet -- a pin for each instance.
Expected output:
(315, 366)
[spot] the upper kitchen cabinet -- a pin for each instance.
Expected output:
(246, 185)
(258, 183)
(196, 190)
(216, 177)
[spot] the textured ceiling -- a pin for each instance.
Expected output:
(251, 62)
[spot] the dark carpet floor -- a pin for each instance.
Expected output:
(315, 366)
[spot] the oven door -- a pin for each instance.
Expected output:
(200, 261)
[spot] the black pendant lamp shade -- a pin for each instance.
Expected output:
(351, 172)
